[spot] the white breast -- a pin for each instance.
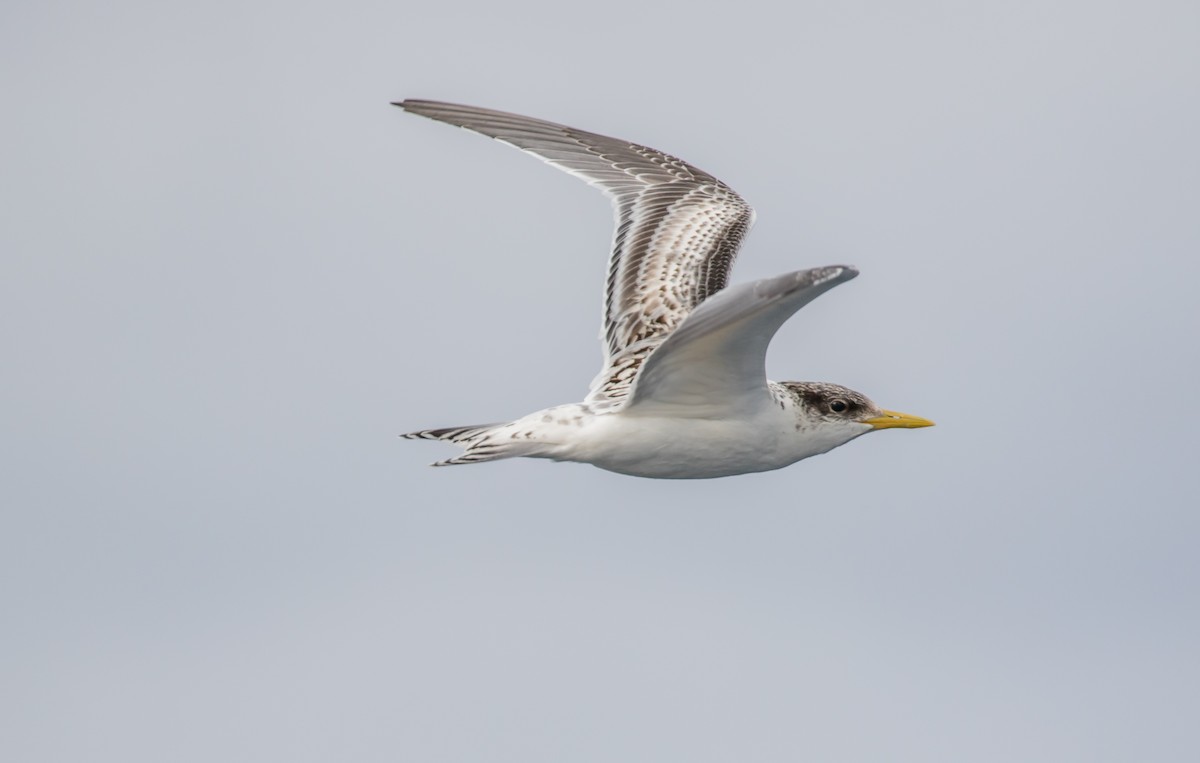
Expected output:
(682, 448)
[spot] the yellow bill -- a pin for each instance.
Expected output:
(893, 420)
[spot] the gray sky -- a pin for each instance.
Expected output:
(231, 273)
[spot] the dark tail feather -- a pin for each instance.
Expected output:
(478, 446)
(452, 434)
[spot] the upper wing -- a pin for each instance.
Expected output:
(678, 228)
(714, 365)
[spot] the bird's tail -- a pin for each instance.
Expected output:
(481, 442)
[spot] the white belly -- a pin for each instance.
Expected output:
(684, 448)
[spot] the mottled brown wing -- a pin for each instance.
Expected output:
(678, 229)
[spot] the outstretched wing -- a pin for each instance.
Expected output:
(678, 229)
(714, 365)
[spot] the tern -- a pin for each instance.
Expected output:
(683, 392)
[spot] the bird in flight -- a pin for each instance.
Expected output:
(683, 391)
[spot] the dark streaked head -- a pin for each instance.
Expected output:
(826, 404)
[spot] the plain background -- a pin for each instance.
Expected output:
(232, 274)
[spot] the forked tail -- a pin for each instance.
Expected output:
(481, 442)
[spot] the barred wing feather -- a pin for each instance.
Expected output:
(678, 229)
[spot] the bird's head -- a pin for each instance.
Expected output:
(842, 414)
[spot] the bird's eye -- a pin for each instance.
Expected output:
(838, 406)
